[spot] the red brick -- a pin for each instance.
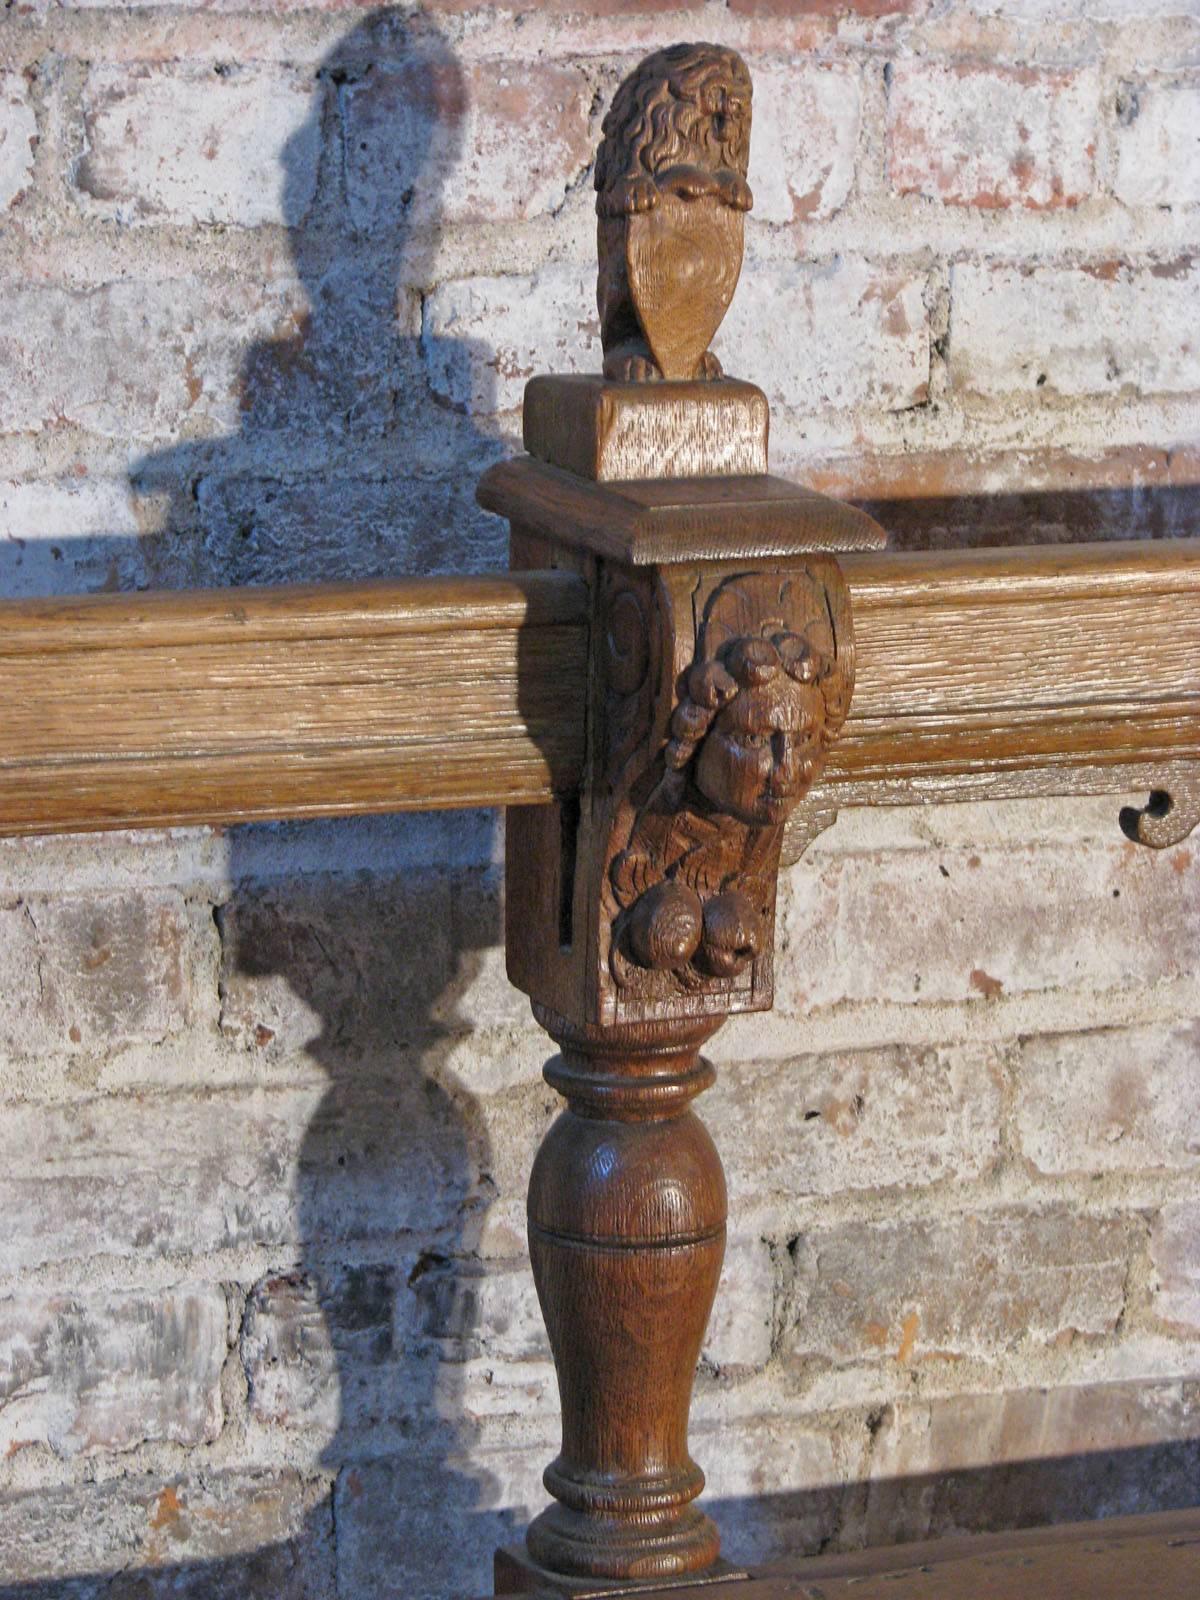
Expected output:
(992, 137)
(826, 8)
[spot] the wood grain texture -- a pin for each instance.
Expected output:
(664, 520)
(218, 707)
(1156, 1556)
(615, 432)
(671, 195)
(979, 674)
(627, 1209)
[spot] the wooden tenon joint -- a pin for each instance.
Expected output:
(641, 908)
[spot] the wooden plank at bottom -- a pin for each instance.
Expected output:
(1154, 1557)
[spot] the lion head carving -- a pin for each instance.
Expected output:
(679, 124)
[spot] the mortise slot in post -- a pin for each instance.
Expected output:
(568, 822)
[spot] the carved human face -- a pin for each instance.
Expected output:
(756, 760)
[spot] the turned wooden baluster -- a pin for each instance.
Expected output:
(640, 912)
(626, 1235)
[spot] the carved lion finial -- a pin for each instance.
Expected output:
(671, 200)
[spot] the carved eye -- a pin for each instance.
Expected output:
(755, 741)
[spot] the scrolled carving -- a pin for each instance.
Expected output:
(694, 884)
(671, 197)
(1168, 817)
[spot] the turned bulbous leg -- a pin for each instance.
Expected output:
(626, 1233)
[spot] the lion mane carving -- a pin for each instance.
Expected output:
(680, 122)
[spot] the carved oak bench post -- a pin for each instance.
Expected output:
(641, 910)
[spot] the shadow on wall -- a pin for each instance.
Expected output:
(345, 464)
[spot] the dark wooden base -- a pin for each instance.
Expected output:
(1124, 1558)
(517, 1573)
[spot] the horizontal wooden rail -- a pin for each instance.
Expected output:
(979, 672)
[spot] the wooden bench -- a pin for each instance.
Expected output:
(691, 667)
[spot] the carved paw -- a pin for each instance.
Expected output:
(735, 191)
(631, 195)
(709, 367)
(624, 366)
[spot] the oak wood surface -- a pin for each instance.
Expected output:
(215, 707)
(1155, 1556)
(980, 674)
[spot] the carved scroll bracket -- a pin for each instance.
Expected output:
(1170, 814)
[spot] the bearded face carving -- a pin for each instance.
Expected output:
(671, 198)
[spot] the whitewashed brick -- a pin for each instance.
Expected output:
(774, 1488)
(18, 138)
(921, 926)
(134, 358)
(90, 1372)
(234, 1533)
(739, 1330)
(485, 337)
(1175, 1253)
(806, 125)
(838, 334)
(1111, 329)
(1111, 1101)
(346, 969)
(194, 145)
(425, 1525)
(958, 1286)
(157, 1174)
(992, 137)
(1003, 1460)
(92, 973)
(65, 535)
(430, 142)
(861, 1120)
(1158, 143)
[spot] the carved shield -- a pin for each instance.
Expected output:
(683, 258)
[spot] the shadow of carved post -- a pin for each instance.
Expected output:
(640, 911)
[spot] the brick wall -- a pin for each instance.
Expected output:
(272, 277)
